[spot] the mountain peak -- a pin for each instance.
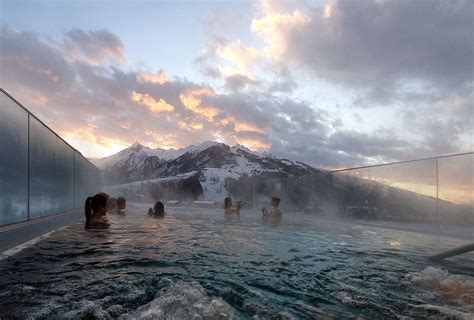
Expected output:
(213, 159)
(200, 147)
(136, 144)
(207, 144)
(244, 148)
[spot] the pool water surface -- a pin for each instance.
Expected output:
(199, 264)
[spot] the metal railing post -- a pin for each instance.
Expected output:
(28, 172)
(437, 197)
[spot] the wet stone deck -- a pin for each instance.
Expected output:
(16, 234)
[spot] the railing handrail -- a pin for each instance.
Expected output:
(405, 161)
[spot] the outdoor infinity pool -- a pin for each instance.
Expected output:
(198, 264)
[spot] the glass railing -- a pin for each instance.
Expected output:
(40, 174)
(434, 195)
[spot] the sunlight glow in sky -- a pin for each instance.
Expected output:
(330, 83)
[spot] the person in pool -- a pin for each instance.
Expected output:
(274, 212)
(95, 210)
(121, 204)
(112, 205)
(158, 210)
(229, 208)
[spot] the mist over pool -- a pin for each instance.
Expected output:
(197, 261)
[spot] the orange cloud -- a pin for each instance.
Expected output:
(238, 54)
(253, 144)
(272, 28)
(164, 141)
(240, 126)
(191, 99)
(113, 54)
(90, 144)
(190, 125)
(159, 77)
(154, 106)
(244, 126)
(41, 99)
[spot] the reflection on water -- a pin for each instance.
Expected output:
(203, 263)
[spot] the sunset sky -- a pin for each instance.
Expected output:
(330, 83)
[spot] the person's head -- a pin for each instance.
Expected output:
(112, 204)
(121, 203)
(95, 205)
(107, 197)
(227, 203)
(159, 208)
(275, 202)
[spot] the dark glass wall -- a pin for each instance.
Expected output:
(13, 161)
(86, 179)
(430, 195)
(40, 174)
(51, 172)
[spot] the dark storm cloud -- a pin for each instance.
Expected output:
(380, 45)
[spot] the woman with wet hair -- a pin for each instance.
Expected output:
(274, 212)
(158, 210)
(95, 210)
(229, 208)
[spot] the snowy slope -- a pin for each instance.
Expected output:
(140, 153)
(211, 162)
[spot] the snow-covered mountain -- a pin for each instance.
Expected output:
(134, 155)
(211, 162)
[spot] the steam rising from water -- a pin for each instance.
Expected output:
(202, 264)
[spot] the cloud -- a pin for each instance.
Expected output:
(192, 100)
(26, 60)
(190, 125)
(93, 47)
(155, 106)
(375, 46)
(159, 77)
(101, 108)
(237, 82)
(240, 57)
(274, 28)
(369, 145)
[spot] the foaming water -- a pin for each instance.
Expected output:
(200, 264)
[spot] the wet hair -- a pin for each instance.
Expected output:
(227, 202)
(276, 200)
(93, 204)
(121, 202)
(159, 208)
(106, 195)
